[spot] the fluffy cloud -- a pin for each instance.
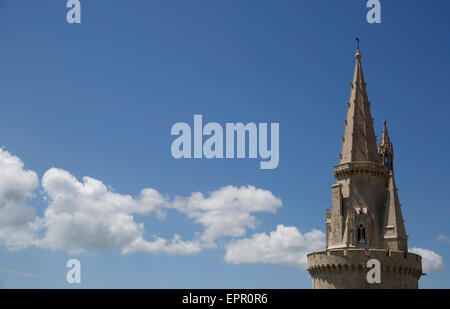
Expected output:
(160, 245)
(430, 259)
(286, 246)
(17, 219)
(227, 211)
(88, 215)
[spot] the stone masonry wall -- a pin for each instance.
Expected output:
(346, 269)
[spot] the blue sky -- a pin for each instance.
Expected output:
(98, 99)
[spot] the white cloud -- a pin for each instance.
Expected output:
(286, 246)
(160, 245)
(227, 211)
(443, 238)
(430, 259)
(17, 219)
(88, 215)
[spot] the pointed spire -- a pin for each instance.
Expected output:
(359, 141)
(386, 149)
(358, 76)
(394, 228)
(385, 141)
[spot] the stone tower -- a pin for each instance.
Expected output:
(365, 221)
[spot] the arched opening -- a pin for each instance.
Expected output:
(386, 163)
(361, 234)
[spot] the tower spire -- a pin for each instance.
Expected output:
(359, 140)
(394, 233)
(385, 137)
(365, 220)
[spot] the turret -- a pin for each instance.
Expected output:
(394, 233)
(386, 150)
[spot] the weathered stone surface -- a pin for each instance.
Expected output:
(346, 269)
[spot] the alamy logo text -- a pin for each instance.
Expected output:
(235, 141)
